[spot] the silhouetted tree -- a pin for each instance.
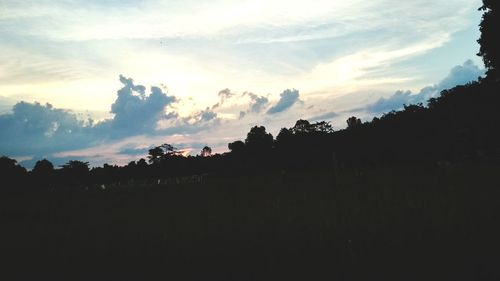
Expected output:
(301, 127)
(43, 171)
(43, 166)
(489, 40)
(162, 152)
(75, 171)
(206, 151)
(322, 127)
(141, 168)
(353, 122)
(155, 154)
(258, 140)
(13, 175)
(236, 147)
(284, 136)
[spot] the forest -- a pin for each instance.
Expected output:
(411, 195)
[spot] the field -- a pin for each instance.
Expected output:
(404, 223)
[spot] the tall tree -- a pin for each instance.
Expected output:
(43, 171)
(489, 40)
(258, 140)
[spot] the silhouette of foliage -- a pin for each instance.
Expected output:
(12, 174)
(236, 147)
(206, 151)
(489, 41)
(43, 172)
(258, 140)
(353, 122)
(162, 152)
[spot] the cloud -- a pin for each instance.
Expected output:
(136, 113)
(134, 151)
(37, 130)
(287, 99)
(33, 128)
(459, 75)
(257, 103)
(394, 102)
(206, 115)
(224, 95)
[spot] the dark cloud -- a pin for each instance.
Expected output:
(324, 117)
(287, 99)
(459, 75)
(33, 127)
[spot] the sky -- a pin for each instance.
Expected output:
(105, 80)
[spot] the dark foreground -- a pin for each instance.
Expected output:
(412, 223)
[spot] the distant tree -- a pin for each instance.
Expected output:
(11, 172)
(155, 154)
(322, 127)
(284, 136)
(75, 171)
(236, 147)
(206, 151)
(305, 127)
(141, 168)
(301, 127)
(162, 152)
(413, 108)
(7, 163)
(353, 122)
(43, 166)
(43, 171)
(489, 40)
(142, 163)
(258, 140)
(76, 165)
(170, 150)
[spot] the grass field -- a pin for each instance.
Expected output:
(405, 223)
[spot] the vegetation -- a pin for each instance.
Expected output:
(400, 223)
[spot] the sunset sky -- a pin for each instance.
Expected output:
(104, 80)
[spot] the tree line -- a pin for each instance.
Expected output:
(461, 125)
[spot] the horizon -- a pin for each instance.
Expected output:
(119, 86)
